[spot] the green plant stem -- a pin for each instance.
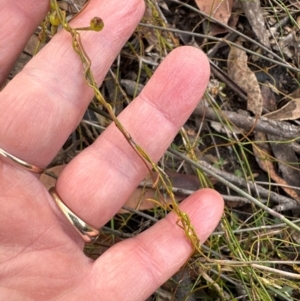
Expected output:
(162, 178)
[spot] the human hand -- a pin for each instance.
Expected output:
(41, 255)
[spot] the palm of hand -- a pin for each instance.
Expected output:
(38, 260)
(40, 253)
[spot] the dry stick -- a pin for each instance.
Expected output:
(142, 214)
(187, 192)
(263, 193)
(259, 265)
(267, 126)
(219, 175)
(259, 228)
(116, 232)
(222, 293)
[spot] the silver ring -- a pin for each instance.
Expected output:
(87, 232)
(20, 162)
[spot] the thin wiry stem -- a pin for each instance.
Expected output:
(225, 41)
(162, 178)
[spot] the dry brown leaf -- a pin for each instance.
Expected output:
(262, 155)
(145, 199)
(77, 4)
(218, 9)
(294, 94)
(214, 29)
(80, 2)
(286, 160)
(269, 99)
(151, 35)
(31, 45)
(142, 198)
(240, 73)
(290, 111)
(255, 17)
(50, 181)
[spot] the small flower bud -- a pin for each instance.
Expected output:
(96, 24)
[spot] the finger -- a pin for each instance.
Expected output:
(50, 95)
(99, 180)
(155, 255)
(19, 19)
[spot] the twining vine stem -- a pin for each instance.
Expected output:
(57, 17)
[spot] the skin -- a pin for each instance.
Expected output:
(40, 253)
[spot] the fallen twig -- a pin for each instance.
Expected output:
(266, 126)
